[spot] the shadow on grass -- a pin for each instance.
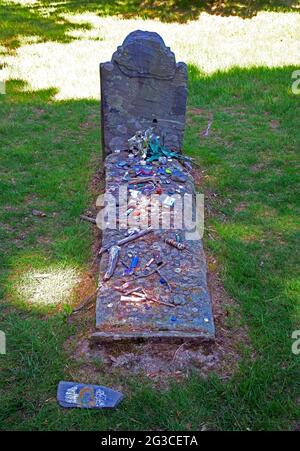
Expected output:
(45, 22)
(50, 150)
(175, 10)
(20, 21)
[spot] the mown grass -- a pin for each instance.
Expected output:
(49, 152)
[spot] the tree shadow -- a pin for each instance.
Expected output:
(45, 22)
(180, 11)
(19, 22)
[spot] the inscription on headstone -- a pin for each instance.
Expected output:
(142, 86)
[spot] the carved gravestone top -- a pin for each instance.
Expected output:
(142, 86)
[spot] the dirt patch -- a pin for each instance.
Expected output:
(242, 206)
(193, 114)
(39, 111)
(197, 175)
(88, 282)
(85, 288)
(44, 240)
(198, 112)
(10, 208)
(235, 111)
(274, 124)
(97, 187)
(257, 167)
(87, 125)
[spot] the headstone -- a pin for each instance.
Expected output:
(155, 286)
(142, 86)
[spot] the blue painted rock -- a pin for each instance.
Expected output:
(73, 394)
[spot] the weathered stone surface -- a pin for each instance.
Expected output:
(142, 86)
(188, 312)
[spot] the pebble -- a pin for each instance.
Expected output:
(179, 299)
(179, 178)
(156, 246)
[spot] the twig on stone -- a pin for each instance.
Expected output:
(151, 272)
(138, 180)
(114, 254)
(177, 350)
(131, 298)
(163, 277)
(126, 240)
(128, 292)
(157, 301)
(124, 264)
(88, 219)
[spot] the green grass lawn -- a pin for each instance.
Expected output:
(50, 149)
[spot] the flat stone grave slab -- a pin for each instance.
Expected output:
(182, 306)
